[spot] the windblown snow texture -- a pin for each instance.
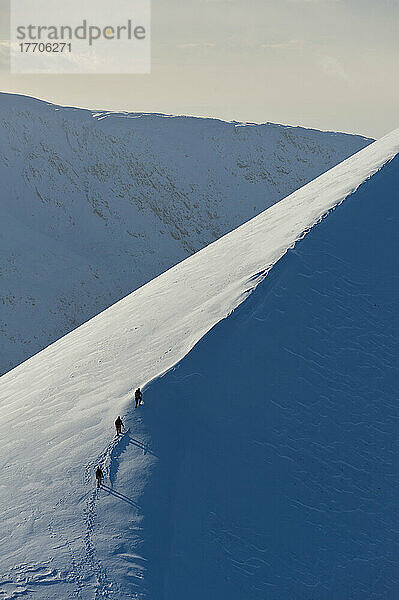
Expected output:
(277, 434)
(96, 204)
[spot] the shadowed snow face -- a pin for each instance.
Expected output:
(276, 434)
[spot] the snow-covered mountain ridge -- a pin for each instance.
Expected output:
(62, 539)
(96, 204)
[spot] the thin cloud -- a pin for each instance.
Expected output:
(288, 45)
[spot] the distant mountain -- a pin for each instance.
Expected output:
(262, 464)
(95, 204)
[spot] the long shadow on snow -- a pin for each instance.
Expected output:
(119, 495)
(117, 450)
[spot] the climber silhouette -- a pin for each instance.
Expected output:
(99, 476)
(118, 425)
(138, 397)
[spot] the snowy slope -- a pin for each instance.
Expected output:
(96, 204)
(60, 539)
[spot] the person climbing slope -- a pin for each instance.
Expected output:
(99, 476)
(118, 425)
(138, 396)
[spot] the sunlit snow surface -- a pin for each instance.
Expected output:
(263, 465)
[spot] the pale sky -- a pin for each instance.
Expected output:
(328, 64)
